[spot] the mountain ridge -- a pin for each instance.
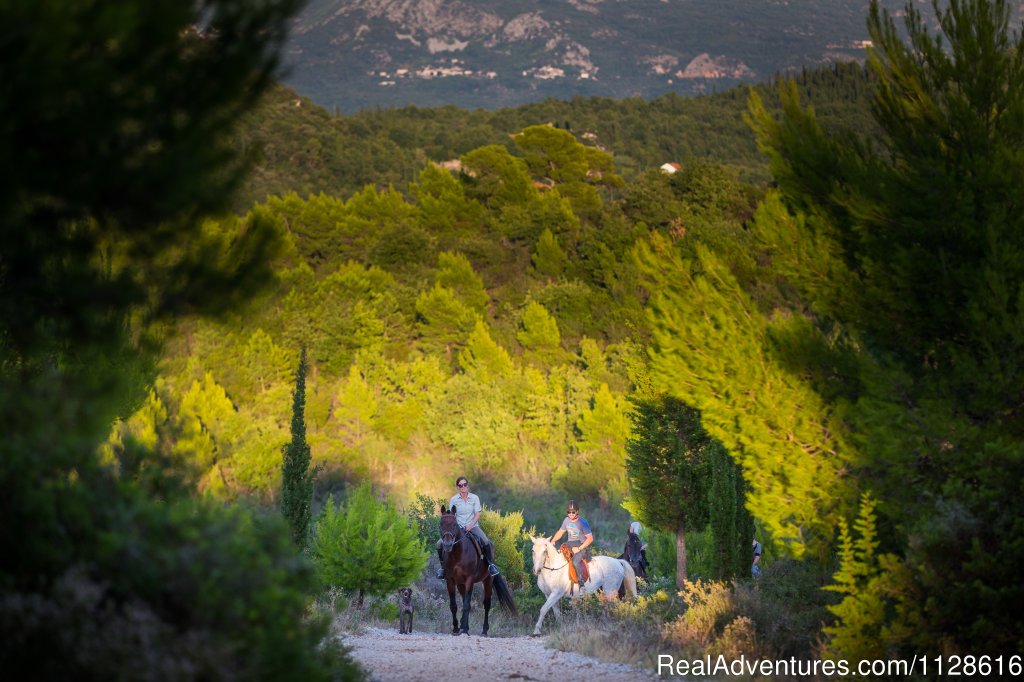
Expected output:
(352, 54)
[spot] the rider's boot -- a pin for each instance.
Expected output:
(492, 568)
(440, 571)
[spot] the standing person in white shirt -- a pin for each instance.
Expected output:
(467, 513)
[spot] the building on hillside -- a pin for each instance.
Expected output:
(671, 167)
(454, 165)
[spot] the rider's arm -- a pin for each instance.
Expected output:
(472, 521)
(587, 541)
(557, 536)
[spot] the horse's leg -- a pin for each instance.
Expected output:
(466, 590)
(453, 606)
(557, 608)
(553, 598)
(487, 602)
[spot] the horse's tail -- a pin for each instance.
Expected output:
(505, 598)
(629, 578)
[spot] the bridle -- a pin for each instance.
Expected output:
(633, 548)
(448, 545)
(544, 566)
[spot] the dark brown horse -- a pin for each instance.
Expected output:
(633, 554)
(464, 567)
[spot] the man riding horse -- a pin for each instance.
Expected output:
(467, 513)
(579, 535)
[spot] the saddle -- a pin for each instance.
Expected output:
(573, 578)
(476, 543)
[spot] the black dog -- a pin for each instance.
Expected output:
(404, 610)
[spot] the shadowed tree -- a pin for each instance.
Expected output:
(296, 478)
(669, 471)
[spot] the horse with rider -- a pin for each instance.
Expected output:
(561, 571)
(467, 558)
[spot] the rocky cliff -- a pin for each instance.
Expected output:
(488, 53)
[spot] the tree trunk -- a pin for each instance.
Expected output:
(359, 599)
(680, 558)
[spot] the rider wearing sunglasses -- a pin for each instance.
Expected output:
(467, 513)
(579, 534)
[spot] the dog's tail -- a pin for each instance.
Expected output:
(505, 598)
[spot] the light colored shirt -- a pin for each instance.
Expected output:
(465, 509)
(634, 528)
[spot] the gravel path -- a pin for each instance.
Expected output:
(430, 657)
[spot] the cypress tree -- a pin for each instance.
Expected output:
(296, 478)
(668, 470)
(731, 523)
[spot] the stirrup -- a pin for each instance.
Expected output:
(493, 569)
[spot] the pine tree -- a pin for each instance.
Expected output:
(548, 258)
(603, 428)
(366, 546)
(539, 330)
(455, 272)
(444, 322)
(296, 478)
(895, 366)
(714, 349)
(264, 360)
(483, 357)
(925, 237)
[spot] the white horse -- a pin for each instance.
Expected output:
(552, 571)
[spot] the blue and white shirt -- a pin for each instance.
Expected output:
(576, 530)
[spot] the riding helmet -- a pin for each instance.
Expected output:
(572, 507)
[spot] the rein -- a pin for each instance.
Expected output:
(547, 556)
(459, 534)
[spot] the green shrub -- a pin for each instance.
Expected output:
(779, 616)
(423, 516)
(505, 531)
(366, 546)
(385, 610)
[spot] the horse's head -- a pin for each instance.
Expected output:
(633, 547)
(541, 547)
(449, 529)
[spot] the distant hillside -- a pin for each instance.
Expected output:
(307, 150)
(351, 54)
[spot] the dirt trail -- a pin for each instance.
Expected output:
(432, 657)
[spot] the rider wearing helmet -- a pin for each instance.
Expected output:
(579, 534)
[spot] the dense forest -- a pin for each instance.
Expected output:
(812, 324)
(304, 149)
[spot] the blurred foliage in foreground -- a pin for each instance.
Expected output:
(114, 142)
